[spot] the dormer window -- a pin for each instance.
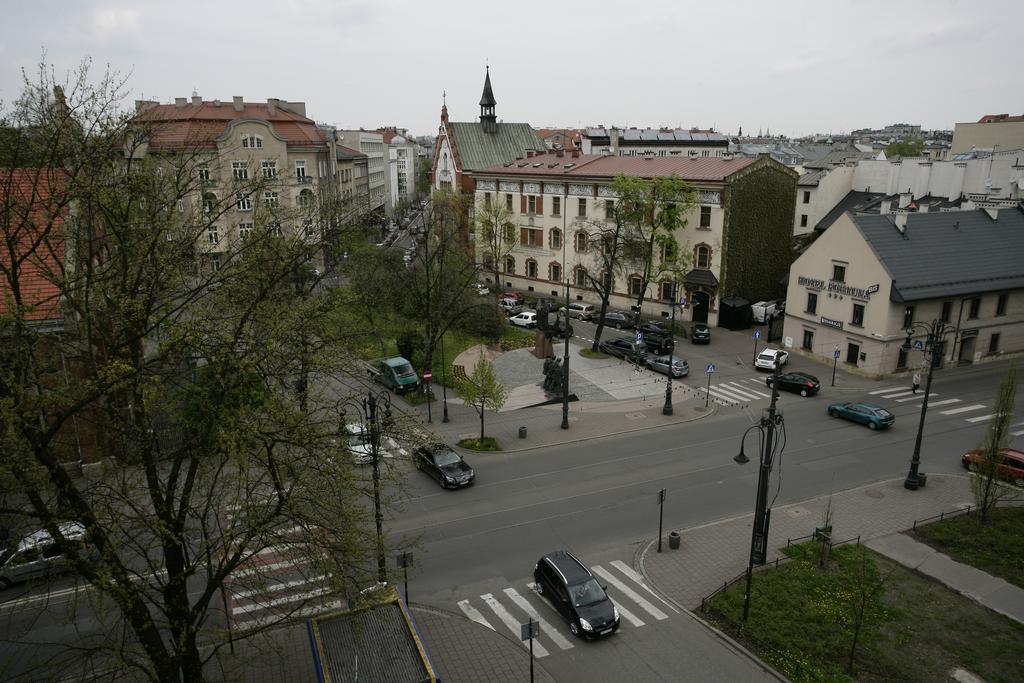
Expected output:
(252, 142)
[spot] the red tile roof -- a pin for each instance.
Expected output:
(33, 203)
(199, 125)
(999, 118)
(607, 166)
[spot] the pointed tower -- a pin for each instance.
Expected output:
(488, 120)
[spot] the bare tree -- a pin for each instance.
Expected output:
(607, 238)
(986, 485)
(497, 234)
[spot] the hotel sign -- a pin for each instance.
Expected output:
(831, 323)
(836, 287)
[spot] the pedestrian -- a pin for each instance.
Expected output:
(916, 381)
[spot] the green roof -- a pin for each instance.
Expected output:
(478, 150)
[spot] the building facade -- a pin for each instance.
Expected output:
(737, 237)
(401, 173)
(370, 143)
(858, 288)
(991, 132)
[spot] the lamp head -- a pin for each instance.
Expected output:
(742, 458)
(906, 348)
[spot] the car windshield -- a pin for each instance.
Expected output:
(589, 593)
(359, 440)
(445, 457)
(404, 370)
(767, 355)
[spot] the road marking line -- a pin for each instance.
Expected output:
(513, 625)
(629, 616)
(630, 593)
(982, 418)
(560, 640)
(1020, 433)
(965, 409)
(473, 614)
(278, 587)
(943, 403)
(308, 610)
(740, 389)
(640, 581)
(884, 391)
(918, 397)
(294, 563)
(716, 389)
(898, 394)
(280, 601)
(761, 385)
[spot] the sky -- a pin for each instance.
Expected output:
(788, 66)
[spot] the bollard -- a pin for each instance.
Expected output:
(673, 540)
(522, 432)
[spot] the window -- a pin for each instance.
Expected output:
(239, 170)
(275, 230)
(244, 202)
(975, 308)
(901, 359)
(1001, 304)
(852, 352)
(556, 206)
(252, 142)
(305, 198)
(807, 196)
(705, 216)
(993, 343)
(581, 209)
(908, 317)
(635, 285)
(838, 272)
(532, 238)
(531, 204)
(204, 174)
(510, 265)
(812, 302)
(209, 203)
(703, 259)
(269, 169)
(803, 220)
(858, 315)
(607, 282)
(181, 206)
(580, 277)
(531, 268)
(581, 242)
(487, 199)
(556, 239)
(555, 272)
(244, 231)
(808, 344)
(508, 202)
(947, 311)
(300, 170)
(270, 199)
(668, 252)
(307, 228)
(213, 234)
(666, 291)
(609, 208)
(215, 262)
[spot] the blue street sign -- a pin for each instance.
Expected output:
(344, 254)
(639, 337)
(682, 301)
(919, 345)
(711, 368)
(835, 354)
(757, 334)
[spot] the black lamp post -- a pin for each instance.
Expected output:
(667, 409)
(933, 348)
(368, 409)
(565, 363)
(762, 515)
(444, 381)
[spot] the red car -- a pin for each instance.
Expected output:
(1010, 467)
(512, 294)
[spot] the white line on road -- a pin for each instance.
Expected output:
(747, 394)
(513, 625)
(918, 397)
(277, 587)
(630, 593)
(1020, 433)
(982, 418)
(887, 390)
(280, 601)
(728, 394)
(560, 640)
(308, 610)
(639, 580)
(943, 403)
(965, 409)
(473, 613)
(760, 385)
(898, 394)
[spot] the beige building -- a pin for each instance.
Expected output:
(370, 143)
(993, 131)
(867, 279)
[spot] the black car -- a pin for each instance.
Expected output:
(445, 465)
(797, 382)
(620, 319)
(576, 594)
(658, 338)
(700, 334)
(622, 347)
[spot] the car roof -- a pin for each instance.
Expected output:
(70, 530)
(571, 569)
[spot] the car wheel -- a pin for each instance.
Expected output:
(872, 425)
(575, 628)
(4, 584)
(833, 413)
(803, 392)
(618, 326)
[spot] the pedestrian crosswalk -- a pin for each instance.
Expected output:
(513, 606)
(734, 391)
(972, 413)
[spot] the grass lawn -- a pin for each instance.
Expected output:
(590, 353)
(914, 629)
(488, 443)
(996, 547)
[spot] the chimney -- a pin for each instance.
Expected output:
(901, 222)
(886, 204)
(905, 198)
(197, 100)
(530, 153)
(272, 105)
(613, 137)
(180, 102)
(216, 103)
(237, 100)
(923, 208)
(560, 153)
(727, 156)
(145, 105)
(575, 154)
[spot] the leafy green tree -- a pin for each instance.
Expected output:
(496, 234)
(987, 488)
(482, 390)
(608, 239)
(910, 147)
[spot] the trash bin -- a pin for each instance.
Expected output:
(673, 540)
(522, 432)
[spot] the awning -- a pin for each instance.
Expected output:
(700, 277)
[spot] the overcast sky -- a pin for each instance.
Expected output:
(792, 67)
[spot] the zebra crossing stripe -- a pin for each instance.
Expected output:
(1020, 433)
(629, 616)
(759, 389)
(281, 601)
(629, 593)
(898, 394)
(473, 614)
(918, 397)
(546, 628)
(513, 625)
(982, 418)
(640, 581)
(965, 409)
(946, 402)
(278, 587)
(747, 394)
(887, 390)
(729, 393)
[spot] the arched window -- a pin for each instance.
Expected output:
(555, 271)
(252, 142)
(209, 202)
(556, 239)
(510, 265)
(579, 276)
(635, 285)
(702, 256)
(531, 268)
(581, 242)
(305, 199)
(488, 262)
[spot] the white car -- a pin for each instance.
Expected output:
(525, 319)
(483, 290)
(769, 358)
(763, 310)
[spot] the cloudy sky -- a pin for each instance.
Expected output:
(793, 67)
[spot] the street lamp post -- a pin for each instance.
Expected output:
(565, 363)
(933, 348)
(444, 381)
(667, 409)
(762, 515)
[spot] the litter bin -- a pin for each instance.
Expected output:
(673, 540)
(522, 432)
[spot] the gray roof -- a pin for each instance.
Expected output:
(478, 149)
(959, 253)
(811, 178)
(855, 201)
(837, 158)
(645, 135)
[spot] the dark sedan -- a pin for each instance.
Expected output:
(679, 366)
(797, 382)
(701, 334)
(445, 465)
(875, 417)
(621, 347)
(619, 319)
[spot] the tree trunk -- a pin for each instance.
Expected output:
(600, 323)
(481, 423)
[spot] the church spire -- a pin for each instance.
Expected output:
(444, 107)
(488, 119)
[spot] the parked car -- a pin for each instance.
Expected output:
(578, 309)
(482, 289)
(359, 444)
(700, 334)
(620, 319)
(763, 310)
(514, 295)
(769, 358)
(1010, 465)
(527, 319)
(440, 462)
(874, 416)
(576, 595)
(625, 348)
(510, 307)
(657, 338)
(680, 368)
(37, 555)
(797, 382)
(395, 373)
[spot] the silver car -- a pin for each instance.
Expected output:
(37, 555)
(679, 366)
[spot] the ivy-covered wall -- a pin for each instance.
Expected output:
(757, 239)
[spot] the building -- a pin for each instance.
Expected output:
(864, 281)
(353, 178)
(400, 178)
(560, 138)
(659, 142)
(370, 143)
(463, 148)
(739, 234)
(991, 132)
